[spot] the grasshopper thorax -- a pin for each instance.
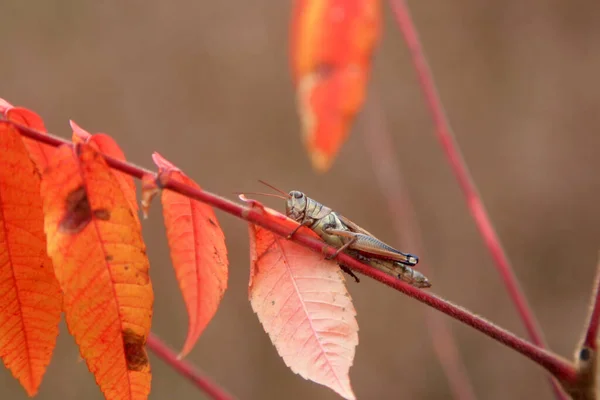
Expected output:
(296, 205)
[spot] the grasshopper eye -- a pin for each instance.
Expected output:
(297, 195)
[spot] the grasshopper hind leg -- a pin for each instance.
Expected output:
(349, 272)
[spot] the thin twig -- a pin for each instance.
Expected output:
(591, 332)
(186, 369)
(387, 171)
(553, 363)
(457, 163)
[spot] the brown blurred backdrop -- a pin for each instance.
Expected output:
(206, 84)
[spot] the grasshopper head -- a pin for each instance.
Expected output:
(295, 206)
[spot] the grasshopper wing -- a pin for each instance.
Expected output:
(371, 245)
(354, 227)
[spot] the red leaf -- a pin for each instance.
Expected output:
(40, 153)
(302, 302)
(331, 46)
(198, 252)
(101, 264)
(30, 297)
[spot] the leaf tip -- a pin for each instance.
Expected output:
(163, 163)
(4, 105)
(79, 134)
(320, 161)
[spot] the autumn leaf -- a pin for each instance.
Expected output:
(107, 145)
(40, 153)
(101, 264)
(198, 252)
(302, 302)
(331, 46)
(30, 298)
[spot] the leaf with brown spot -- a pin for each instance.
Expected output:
(135, 351)
(198, 252)
(96, 244)
(107, 145)
(30, 298)
(77, 212)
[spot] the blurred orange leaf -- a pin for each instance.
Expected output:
(30, 298)
(331, 46)
(40, 153)
(302, 302)
(96, 245)
(107, 145)
(198, 252)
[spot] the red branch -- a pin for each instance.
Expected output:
(457, 163)
(553, 363)
(186, 369)
(387, 171)
(591, 335)
(459, 168)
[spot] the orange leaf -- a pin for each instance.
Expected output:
(331, 46)
(40, 153)
(107, 145)
(30, 298)
(96, 245)
(198, 252)
(302, 302)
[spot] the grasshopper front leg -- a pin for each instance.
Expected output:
(306, 222)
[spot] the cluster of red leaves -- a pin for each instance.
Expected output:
(70, 241)
(70, 236)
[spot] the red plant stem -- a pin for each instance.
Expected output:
(186, 369)
(458, 165)
(459, 168)
(387, 171)
(591, 335)
(553, 363)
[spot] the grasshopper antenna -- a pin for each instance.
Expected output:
(287, 196)
(262, 194)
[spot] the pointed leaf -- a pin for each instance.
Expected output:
(331, 46)
(198, 252)
(96, 245)
(302, 302)
(40, 153)
(4, 105)
(30, 298)
(107, 145)
(80, 135)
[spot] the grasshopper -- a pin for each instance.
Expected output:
(340, 232)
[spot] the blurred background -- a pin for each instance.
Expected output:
(207, 84)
